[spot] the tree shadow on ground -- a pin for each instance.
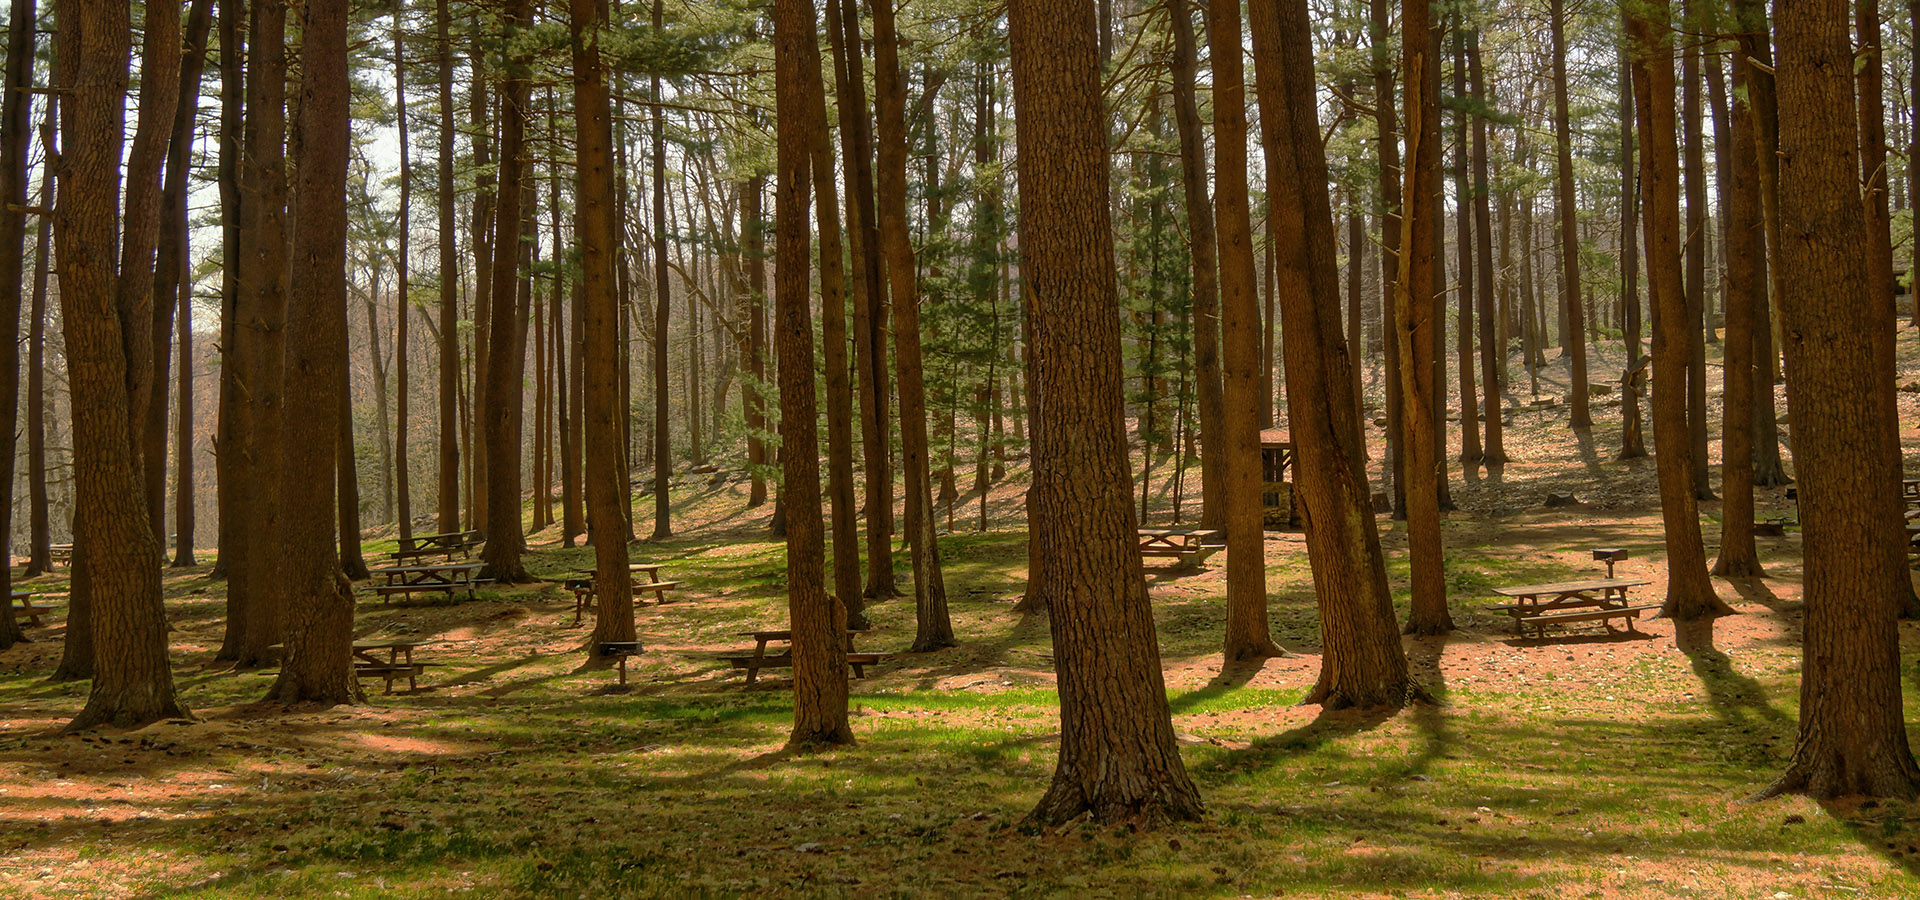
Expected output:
(1887, 828)
(1232, 676)
(1427, 714)
(1589, 457)
(1329, 725)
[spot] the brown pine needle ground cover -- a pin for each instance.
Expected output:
(1580, 766)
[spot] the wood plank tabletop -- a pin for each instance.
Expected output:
(1570, 587)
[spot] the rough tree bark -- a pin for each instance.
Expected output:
(934, 628)
(1362, 663)
(1118, 757)
(132, 682)
(1689, 592)
(1632, 437)
(402, 484)
(1248, 636)
(1203, 252)
(819, 622)
(171, 283)
(250, 447)
(1694, 239)
(1853, 737)
(15, 132)
(1566, 209)
(318, 667)
(1746, 289)
(662, 446)
(1753, 38)
(833, 326)
(1415, 321)
(595, 224)
(507, 340)
(1492, 350)
(1470, 449)
(868, 292)
(448, 506)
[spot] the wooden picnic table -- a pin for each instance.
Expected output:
(60, 554)
(447, 544)
(398, 664)
(444, 577)
(1910, 492)
(582, 586)
(758, 659)
(23, 608)
(1191, 546)
(1601, 599)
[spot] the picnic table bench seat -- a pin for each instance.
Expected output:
(753, 663)
(1191, 546)
(24, 608)
(447, 544)
(442, 578)
(582, 586)
(758, 658)
(389, 672)
(399, 662)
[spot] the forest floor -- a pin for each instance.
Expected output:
(1584, 765)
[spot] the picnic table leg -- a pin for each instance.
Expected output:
(759, 654)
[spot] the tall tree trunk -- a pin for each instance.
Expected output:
(596, 223)
(1248, 636)
(819, 621)
(1746, 289)
(1118, 757)
(1493, 349)
(1208, 385)
(402, 484)
(184, 493)
(160, 64)
(15, 132)
(171, 279)
(845, 608)
(353, 563)
(662, 447)
(1695, 237)
(1689, 592)
(319, 663)
(868, 292)
(1362, 663)
(506, 366)
(132, 683)
(934, 628)
(448, 518)
(383, 434)
(753, 245)
(481, 227)
(1566, 208)
(1414, 314)
(39, 520)
(1768, 470)
(1853, 736)
(255, 588)
(228, 471)
(1470, 450)
(1913, 159)
(1632, 441)
(1386, 125)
